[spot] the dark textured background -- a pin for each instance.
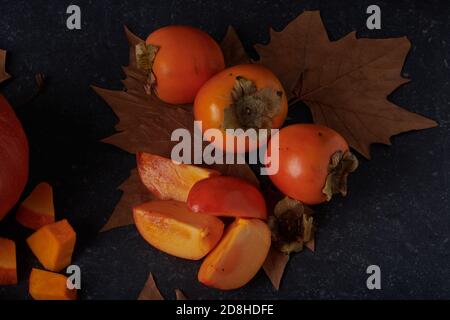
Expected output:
(397, 213)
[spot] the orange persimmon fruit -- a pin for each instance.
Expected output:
(242, 97)
(38, 209)
(314, 163)
(172, 228)
(53, 245)
(182, 59)
(8, 268)
(238, 257)
(168, 180)
(44, 285)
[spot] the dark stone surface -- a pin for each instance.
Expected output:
(396, 216)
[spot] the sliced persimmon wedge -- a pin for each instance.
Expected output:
(238, 257)
(172, 228)
(227, 197)
(168, 180)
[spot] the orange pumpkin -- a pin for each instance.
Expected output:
(14, 158)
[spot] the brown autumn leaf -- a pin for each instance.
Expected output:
(150, 291)
(346, 82)
(146, 125)
(3, 75)
(277, 261)
(275, 265)
(233, 50)
(136, 194)
(180, 295)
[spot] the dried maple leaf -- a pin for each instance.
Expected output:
(146, 125)
(233, 50)
(275, 265)
(3, 75)
(180, 295)
(150, 290)
(136, 194)
(345, 83)
(277, 261)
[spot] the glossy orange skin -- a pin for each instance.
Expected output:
(187, 58)
(14, 158)
(305, 154)
(227, 197)
(238, 257)
(215, 96)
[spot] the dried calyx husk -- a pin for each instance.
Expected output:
(145, 58)
(341, 165)
(252, 108)
(292, 226)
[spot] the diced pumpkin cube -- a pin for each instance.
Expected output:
(53, 245)
(46, 285)
(38, 209)
(8, 269)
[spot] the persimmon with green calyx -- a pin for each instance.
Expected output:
(238, 257)
(172, 228)
(227, 197)
(314, 163)
(242, 97)
(14, 158)
(179, 60)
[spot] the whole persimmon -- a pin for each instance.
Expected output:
(242, 97)
(313, 163)
(179, 59)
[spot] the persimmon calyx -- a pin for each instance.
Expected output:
(252, 108)
(341, 165)
(292, 227)
(145, 58)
